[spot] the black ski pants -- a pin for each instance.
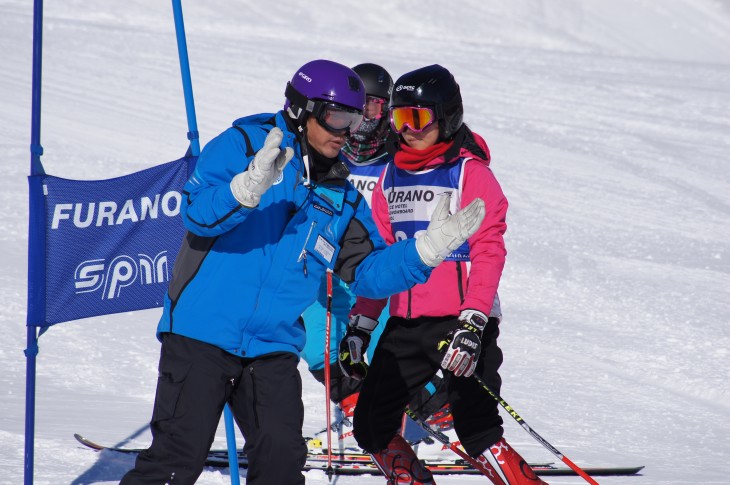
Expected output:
(195, 381)
(406, 358)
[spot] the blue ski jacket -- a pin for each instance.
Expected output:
(364, 177)
(243, 277)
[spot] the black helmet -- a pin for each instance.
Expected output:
(435, 87)
(376, 79)
(378, 83)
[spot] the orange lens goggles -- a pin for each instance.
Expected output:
(413, 117)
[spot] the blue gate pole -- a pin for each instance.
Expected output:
(182, 50)
(30, 355)
(231, 441)
(36, 150)
(36, 168)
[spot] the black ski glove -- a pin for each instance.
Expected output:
(354, 344)
(464, 344)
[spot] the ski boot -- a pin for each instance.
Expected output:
(441, 419)
(343, 440)
(347, 405)
(400, 465)
(433, 450)
(513, 466)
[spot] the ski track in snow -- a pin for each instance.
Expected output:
(609, 128)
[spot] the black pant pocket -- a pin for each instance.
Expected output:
(173, 370)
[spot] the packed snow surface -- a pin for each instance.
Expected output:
(609, 126)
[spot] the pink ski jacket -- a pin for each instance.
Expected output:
(453, 285)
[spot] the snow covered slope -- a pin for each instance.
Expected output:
(609, 125)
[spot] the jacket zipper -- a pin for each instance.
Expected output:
(303, 255)
(460, 285)
(408, 313)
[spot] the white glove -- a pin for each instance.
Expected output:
(265, 168)
(446, 233)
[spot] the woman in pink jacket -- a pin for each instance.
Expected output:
(451, 322)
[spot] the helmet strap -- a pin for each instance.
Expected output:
(305, 154)
(298, 121)
(441, 113)
(298, 99)
(295, 116)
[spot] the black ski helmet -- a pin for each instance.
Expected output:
(379, 83)
(433, 87)
(376, 79)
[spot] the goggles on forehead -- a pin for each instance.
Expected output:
(337, 118)
(413, 117)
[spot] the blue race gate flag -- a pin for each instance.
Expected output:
(108, 245)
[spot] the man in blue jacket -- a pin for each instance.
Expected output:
(268, 211)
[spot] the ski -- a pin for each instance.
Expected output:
(361, 463)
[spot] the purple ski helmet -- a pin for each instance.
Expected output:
(321, 83)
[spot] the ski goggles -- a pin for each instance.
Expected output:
(415, 118)
(374, 107)
(336, 118)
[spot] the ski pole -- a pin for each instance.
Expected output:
(327, 386)
(533, 433)
(486, 468)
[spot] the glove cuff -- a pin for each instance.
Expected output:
(239, 189)
(473, 320)
(363, 323)
(426, 252)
